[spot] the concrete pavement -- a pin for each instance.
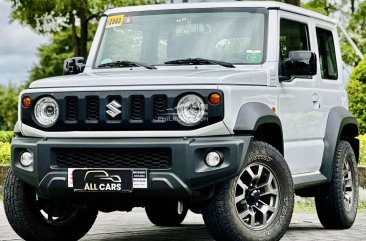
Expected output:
(135, 226)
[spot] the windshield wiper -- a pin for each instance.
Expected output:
(125, 63)
(200, 61)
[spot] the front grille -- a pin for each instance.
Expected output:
(72, 108)
(92, 108)
(137, 107)
(160, 105)
(152, 158)
(121, 110)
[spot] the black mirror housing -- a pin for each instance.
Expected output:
(301, 63)
(74, 65)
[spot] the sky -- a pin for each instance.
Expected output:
(18, 48)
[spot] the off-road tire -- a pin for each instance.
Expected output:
(28, 222)
(330, 200)
(221, 214)
(166, 214)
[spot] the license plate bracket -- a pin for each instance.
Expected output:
(102, 180)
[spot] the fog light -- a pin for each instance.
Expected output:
(26, 159)
(214, 159)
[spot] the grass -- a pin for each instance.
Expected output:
(362, 139)
(308, 206)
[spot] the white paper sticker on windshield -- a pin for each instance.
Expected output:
(251, 51)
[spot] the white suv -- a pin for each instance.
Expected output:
(225, 109)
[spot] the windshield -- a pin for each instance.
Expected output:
(156, 37)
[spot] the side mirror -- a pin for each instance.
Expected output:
(300, 63)
(74, 65)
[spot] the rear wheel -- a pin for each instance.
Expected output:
(255, 205)
(167, 214)
(336, 203)
(33, 218)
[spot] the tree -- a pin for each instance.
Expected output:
(321, 6)
(8, 106)
(52, 55)
(357, 94)
(293, 2)
(357, 26)
(46, 16)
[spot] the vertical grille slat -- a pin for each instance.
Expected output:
(137, 107)
(160, 105)
(92, 108)
(72, 108)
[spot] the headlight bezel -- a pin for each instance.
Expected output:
(37, 113)
(183, 99)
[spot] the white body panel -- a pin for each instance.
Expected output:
(302, 104)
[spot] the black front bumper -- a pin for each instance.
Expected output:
(188, 176)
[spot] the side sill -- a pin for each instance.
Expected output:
(308, 180)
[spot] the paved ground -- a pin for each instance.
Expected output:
(135, 226)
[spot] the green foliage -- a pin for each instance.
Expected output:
(5, 136)
(357, 23)
(5, 153)
(357, 95)
(52, 16)
(8, 106)
(5, 139)
(356, 29)
(362, 139)
(52, 56)
(320, 6)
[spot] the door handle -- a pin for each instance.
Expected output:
(316, 101)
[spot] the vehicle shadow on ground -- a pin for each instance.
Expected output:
(182, 233)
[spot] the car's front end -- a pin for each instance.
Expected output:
(133, 130)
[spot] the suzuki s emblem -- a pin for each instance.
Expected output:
(114, 109)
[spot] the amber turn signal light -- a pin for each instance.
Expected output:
(26, 102)
(215, 98)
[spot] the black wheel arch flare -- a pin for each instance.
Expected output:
(341, 125)
(257, 119)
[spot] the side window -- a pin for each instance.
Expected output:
(327, 54)
(294, 36)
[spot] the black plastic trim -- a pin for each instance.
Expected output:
(338, 118)
(188, 176)
(215, 113)
(252, 115)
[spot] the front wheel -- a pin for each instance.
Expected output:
(255, 205)
(167, 214)
(33, 218)
(336, 203)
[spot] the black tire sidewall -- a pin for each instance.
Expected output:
(350, 157)
(166, 214)
(260, 153)
(28, 223)
(277, 165)
(329, 202)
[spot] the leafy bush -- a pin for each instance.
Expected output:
(362, 150)
(8, 106)
(4, 153)
(357, 95)
(5, 136)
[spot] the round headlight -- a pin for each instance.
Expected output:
(46, 111)
(191, 110)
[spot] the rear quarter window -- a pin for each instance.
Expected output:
(327, 54)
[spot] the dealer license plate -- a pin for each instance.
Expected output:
(107, 180)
